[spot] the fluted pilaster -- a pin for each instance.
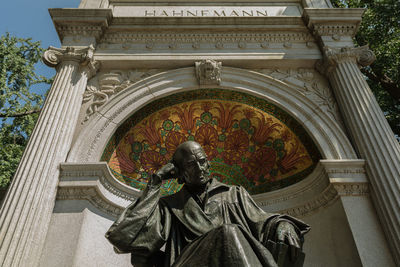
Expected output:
(26, 211)
(370, 133)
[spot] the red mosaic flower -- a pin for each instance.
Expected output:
(173, 139)
(152, 161)
(235, 146)
(249, 113)
(207, 137)
(261, 163)
(186, 116)
(226, 114)
(150, 132)
(264, 130)
(291, 158)
(206, 106)
(124, 162)
(164, 115)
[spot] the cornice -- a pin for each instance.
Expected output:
(80, 21)
(334, 22)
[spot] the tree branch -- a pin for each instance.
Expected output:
(387, 84)
(19, 114)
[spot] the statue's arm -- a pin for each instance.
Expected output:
(267, 227)
(144, 225)
(264, 225)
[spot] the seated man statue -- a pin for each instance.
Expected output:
(207, 223)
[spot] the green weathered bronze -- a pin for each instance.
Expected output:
(207, 223)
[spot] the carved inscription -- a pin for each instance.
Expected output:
(206, 11)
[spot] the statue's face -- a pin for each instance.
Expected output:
(194, 166)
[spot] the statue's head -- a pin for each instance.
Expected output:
(193, 166)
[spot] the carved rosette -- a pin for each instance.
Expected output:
(53, 56)
(334, 56)
(208, 72)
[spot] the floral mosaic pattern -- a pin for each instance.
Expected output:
(247, 140)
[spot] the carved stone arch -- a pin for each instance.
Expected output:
(326, 133)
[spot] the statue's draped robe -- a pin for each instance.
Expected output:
(226, 228)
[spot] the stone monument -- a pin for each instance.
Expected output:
(270, 89)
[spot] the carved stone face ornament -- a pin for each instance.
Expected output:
(208, 72)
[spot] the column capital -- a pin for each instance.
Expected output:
(361, 56)
(82, 56)
(54, 56)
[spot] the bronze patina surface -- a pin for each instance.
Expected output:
(207, 223)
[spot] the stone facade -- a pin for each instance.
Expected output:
(118, 56)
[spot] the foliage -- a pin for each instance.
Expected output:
(380, 29)
(19, 105)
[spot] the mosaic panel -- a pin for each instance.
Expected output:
(248, 141)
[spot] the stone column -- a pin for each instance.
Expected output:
(27, 208)
(370, 133)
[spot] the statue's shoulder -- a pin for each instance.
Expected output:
(175, 200)
(217, 186)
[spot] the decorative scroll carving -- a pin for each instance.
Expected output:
(311, 84)
(83, 56)
(53, 56)
(334, 56)
(101, 88)
(208, 72)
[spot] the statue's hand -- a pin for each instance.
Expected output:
(286, 233)
(166, 172)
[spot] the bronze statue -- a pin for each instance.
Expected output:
(207, 223)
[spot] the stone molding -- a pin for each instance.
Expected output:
(80, 22)
(326, 132)
(195, 40)
(334, 22)
(312, 85)
(100, 170)
(327, 197)
(95, 183)
(89, 193)
(208, 72)
(330, 180)
(79, 31)
(105, 85)
(362, 56)
(352, 189)
(348, 179)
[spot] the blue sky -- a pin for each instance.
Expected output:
(30, 18)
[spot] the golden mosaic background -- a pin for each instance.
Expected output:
(247, 140)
